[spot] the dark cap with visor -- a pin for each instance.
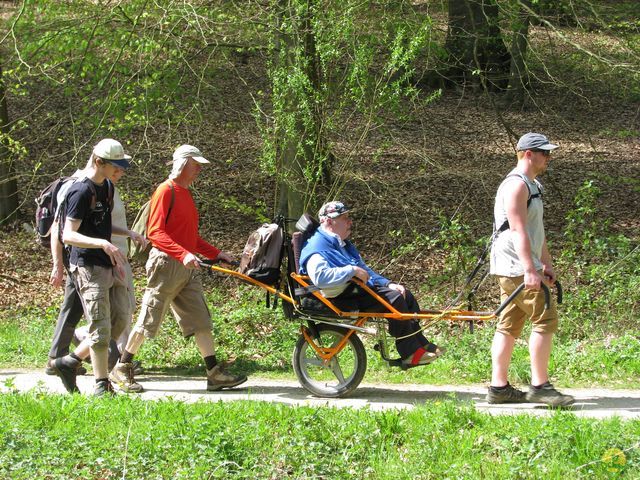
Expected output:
(333, 210)
(535, 141)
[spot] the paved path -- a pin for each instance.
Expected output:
(594, 403)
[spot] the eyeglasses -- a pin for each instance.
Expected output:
(546, 153)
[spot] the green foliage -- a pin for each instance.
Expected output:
(54, 437)
(332, 60)
(601, 270)
(120, 68)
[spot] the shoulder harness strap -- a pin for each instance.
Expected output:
(538, 194)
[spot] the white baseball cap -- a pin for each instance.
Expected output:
(111, 150)
(189, 151)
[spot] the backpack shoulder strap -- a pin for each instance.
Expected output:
(94, 195)
(530, 197)
(111, 190)
(173, 198)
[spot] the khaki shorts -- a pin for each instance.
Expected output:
(171, 284)
(106, 302)
(128, 280)
(528, 304)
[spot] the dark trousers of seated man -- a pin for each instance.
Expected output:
(407, 340)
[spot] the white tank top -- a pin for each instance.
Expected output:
(504, 259)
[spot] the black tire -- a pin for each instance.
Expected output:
(344, 372)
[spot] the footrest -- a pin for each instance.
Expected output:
(397, 362)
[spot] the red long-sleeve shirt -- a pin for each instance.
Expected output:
(177, 236)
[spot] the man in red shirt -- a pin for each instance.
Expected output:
(172, 276)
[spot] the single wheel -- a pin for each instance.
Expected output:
(338, 377)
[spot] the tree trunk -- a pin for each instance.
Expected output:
(8, 181)
(301, 149)
(290, 176)
(518, 73)
(477, 54)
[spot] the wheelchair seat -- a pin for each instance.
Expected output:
(309, 302)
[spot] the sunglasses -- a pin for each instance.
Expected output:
(546, 153)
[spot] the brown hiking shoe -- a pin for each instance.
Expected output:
(549, 395)
(122, 375)
(508, 394)
(218, 378)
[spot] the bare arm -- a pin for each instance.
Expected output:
(136, 237)
(516, 194)
(71, 236)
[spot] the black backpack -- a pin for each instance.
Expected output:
(46, 206)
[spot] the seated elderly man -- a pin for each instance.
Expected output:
(331, 261)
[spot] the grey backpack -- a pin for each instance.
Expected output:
(262, 255)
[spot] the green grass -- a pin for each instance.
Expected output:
(55, 437)
(262, 342)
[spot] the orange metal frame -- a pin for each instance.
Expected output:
(327, 353)
(449, 314)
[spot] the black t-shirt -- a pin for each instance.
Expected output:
(96, 222)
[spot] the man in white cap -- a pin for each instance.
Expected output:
(96, 264)
(71, 310)
(331, 261)
(172, 280)
(519, 254)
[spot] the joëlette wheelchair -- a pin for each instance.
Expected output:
(329, 358)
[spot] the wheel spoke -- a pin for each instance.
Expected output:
(316, 362)
(337, 371)
(336, 377)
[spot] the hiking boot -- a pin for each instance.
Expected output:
(122, 375)
(103, 388)
(218, 378)
(424, 355)
(67, 371)
(549, 395)
(137, 368)
(508, 394)
(50, 369)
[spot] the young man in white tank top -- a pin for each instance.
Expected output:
(519, 255)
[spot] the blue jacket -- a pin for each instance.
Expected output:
(328, 246)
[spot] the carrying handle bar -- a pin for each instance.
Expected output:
(514, 294)
(547, 296)
(209, 262)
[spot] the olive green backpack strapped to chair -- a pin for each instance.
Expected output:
(139, 225)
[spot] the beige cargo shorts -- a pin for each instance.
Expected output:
(171, 285)
(106, 300)
(528, 304)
